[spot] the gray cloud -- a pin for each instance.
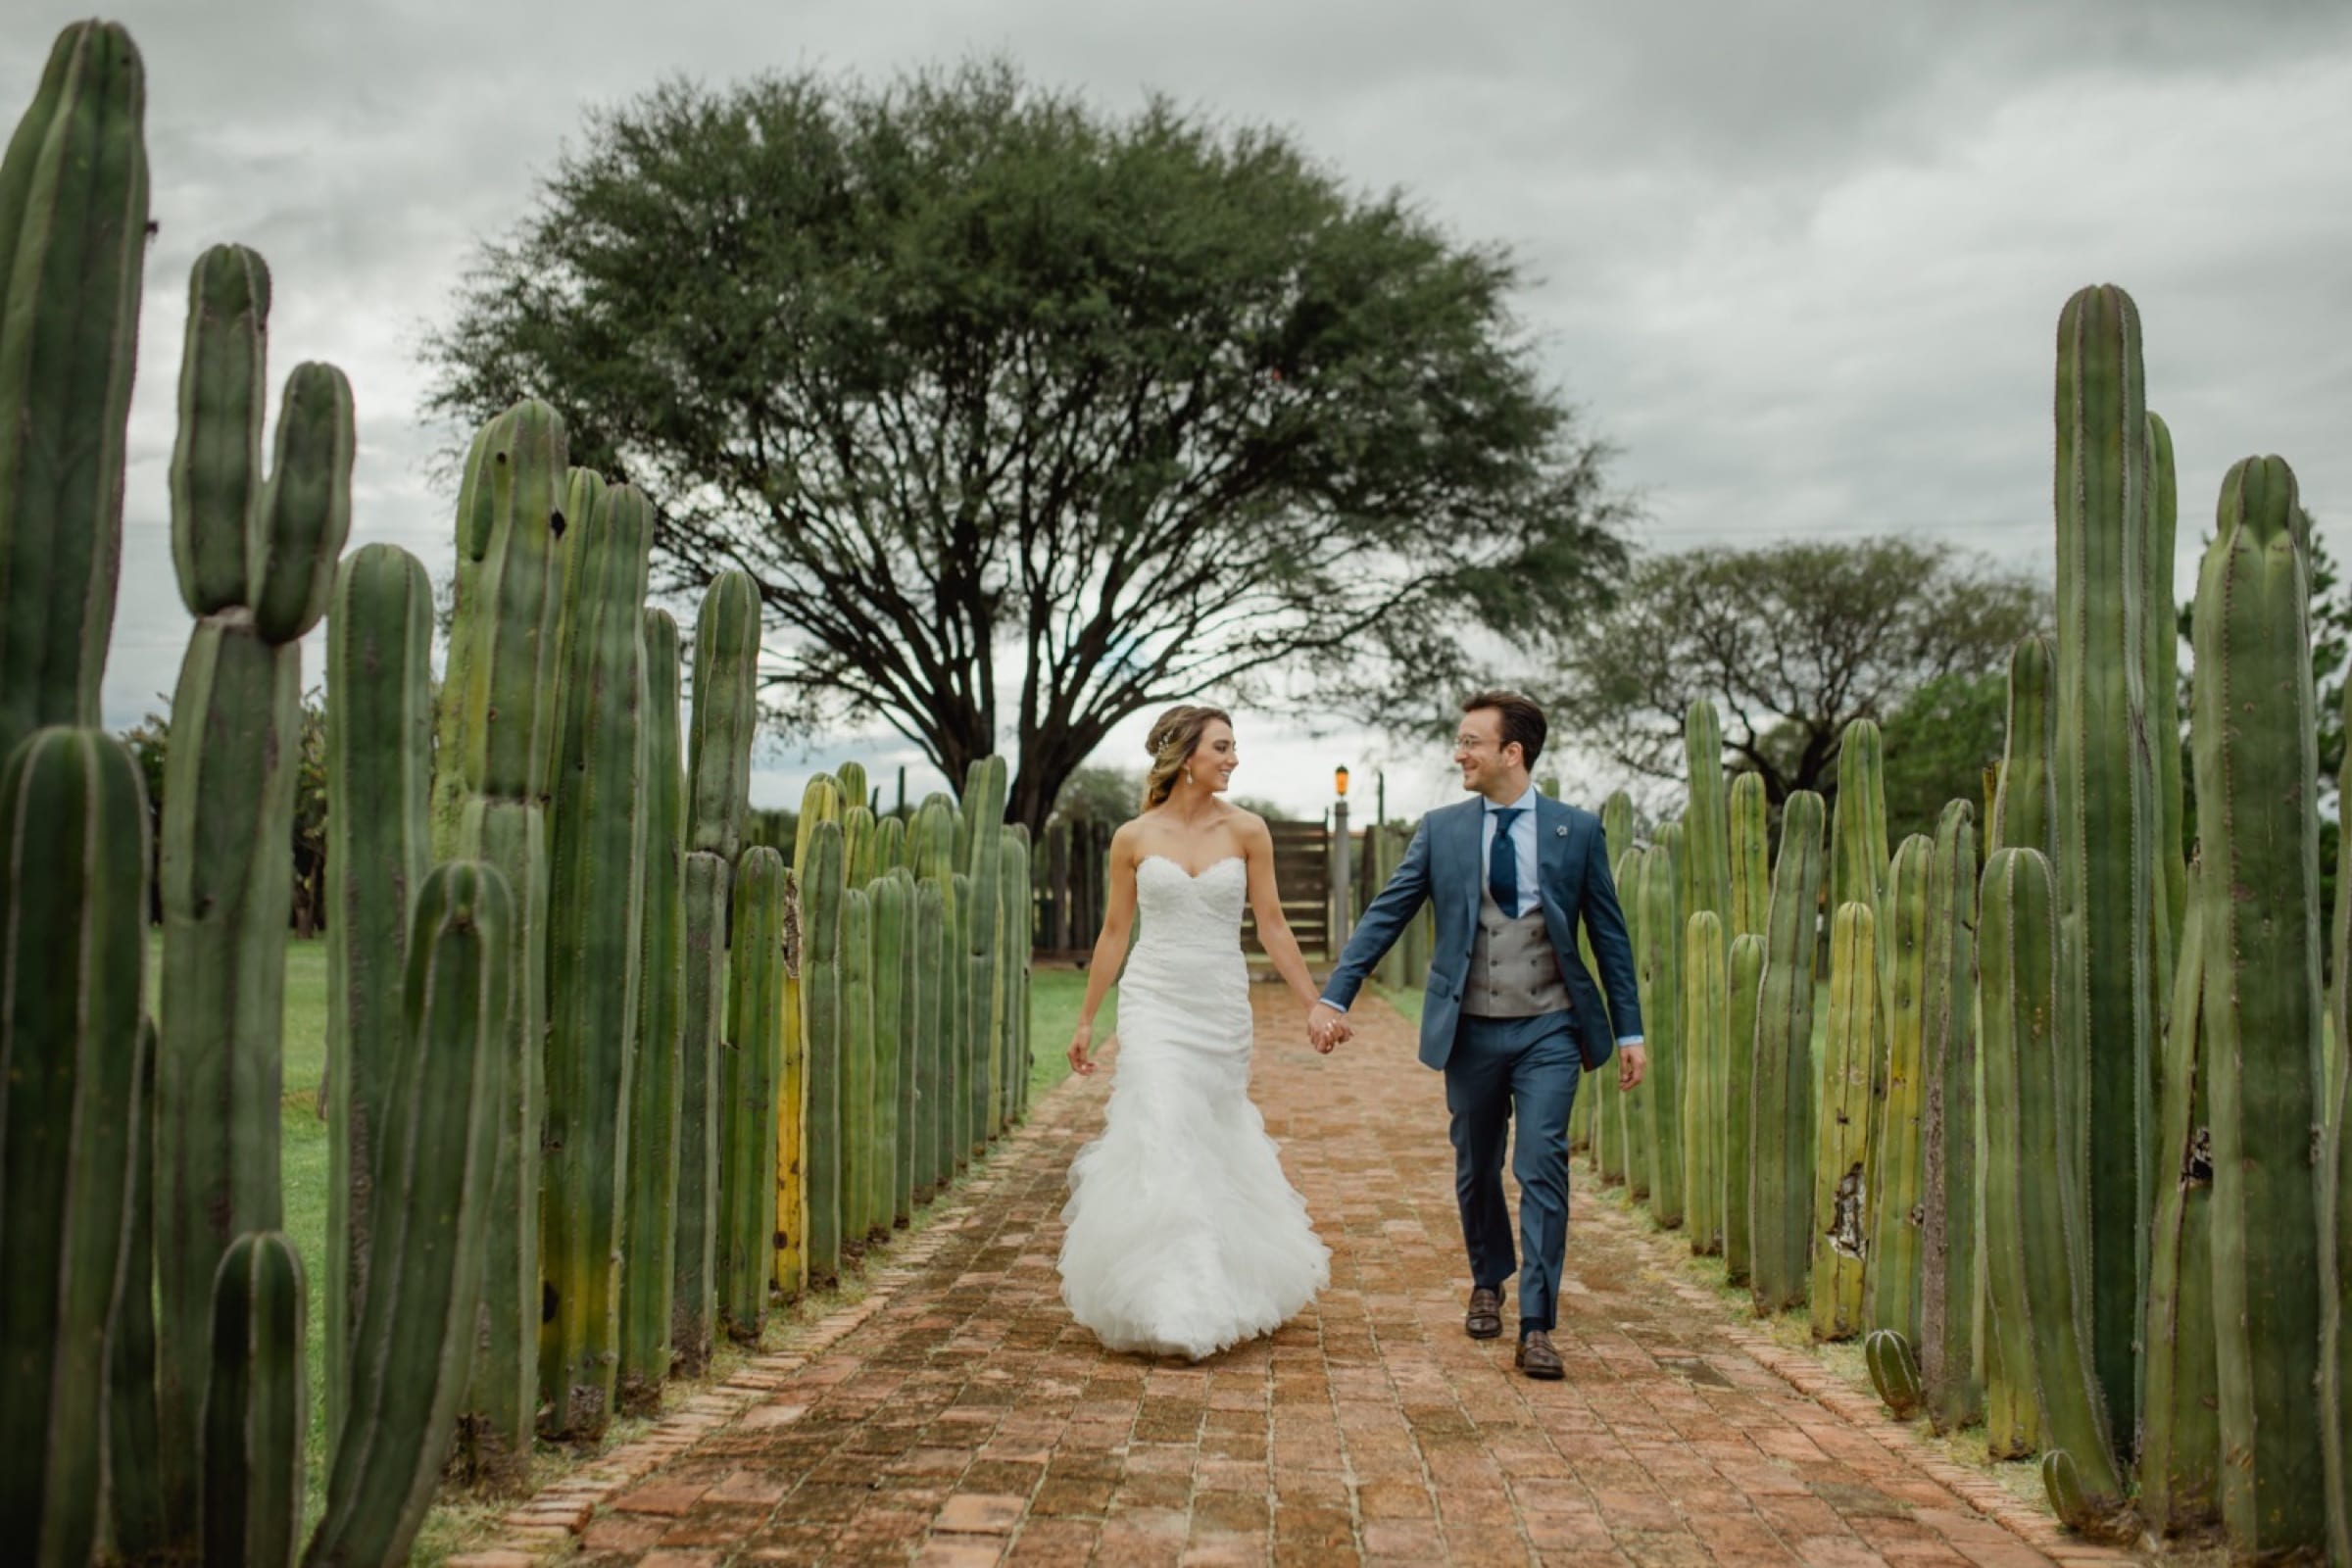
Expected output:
(1801, 262)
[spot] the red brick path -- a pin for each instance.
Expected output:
(961, 1417)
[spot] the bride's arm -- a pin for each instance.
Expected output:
(1265, 901)
(1111, 947)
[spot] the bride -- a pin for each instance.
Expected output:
(1183, 1235)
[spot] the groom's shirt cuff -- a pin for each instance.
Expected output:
(1630, 1040)
(1336, 1007)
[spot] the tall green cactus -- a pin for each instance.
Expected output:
(705, 884)
(1706, 821)
(136, 1523)
(73, 934)
(649, 1228)
(2254, 741)
(930, 996)
(1599, 1090)
(746, 1184)
(944, 1084)
(2027, 807)
(984, 818)
(1898, 1212)
(859, 1110)
(718, 761)
(1012, 951)
(1629, 1148)
(1739, 1080)
(380, 753)
(726, 710)
(254, 1414)
(2163, 677)
(895, 1003)
(2180, 1448)
(2103, 774)
(72, 253)
(596, 910)
(2024, 817)
(441, 1082)
(1858, 863)
(791, 1272)
(1951, 1286)
(958, 1115)
(860, 843)
(2336, 1348)
(1779, 1131)
(1750, 854)
(1707, 1045)
(1842, 1155)
(890, 844)
(822, 882)
(850, 779)
(2032, 1199)
(1661, 989)
(498, 713)
(256, 559)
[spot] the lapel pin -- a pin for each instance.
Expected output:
(1560, 832)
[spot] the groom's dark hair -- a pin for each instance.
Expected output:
(1522, 722)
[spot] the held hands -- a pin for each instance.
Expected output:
(1326, 1027)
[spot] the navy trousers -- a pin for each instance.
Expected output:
(1503, 1068)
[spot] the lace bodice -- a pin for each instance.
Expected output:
(1199, 913)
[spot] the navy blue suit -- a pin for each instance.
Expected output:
(1497, 1068)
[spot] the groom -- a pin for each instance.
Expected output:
(1510, 1017)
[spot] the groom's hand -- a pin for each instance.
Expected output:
(1326, 1026)
(1633, 1062)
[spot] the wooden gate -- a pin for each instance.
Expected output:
(1302, 868)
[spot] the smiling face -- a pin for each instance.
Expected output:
(1215, 757)
(1490, 767)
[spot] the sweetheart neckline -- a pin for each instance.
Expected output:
(1191, 876)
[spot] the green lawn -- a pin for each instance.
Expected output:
(1055, 995)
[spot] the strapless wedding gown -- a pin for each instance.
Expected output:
(1183, 1236)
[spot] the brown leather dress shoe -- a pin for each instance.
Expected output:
(1484, 1320)
(1537, 1359)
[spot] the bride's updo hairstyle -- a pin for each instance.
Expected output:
(1174, 736)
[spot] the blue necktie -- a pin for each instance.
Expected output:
(1502, 864)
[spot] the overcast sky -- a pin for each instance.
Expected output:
(1802, 262)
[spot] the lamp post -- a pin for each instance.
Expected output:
(1343, 892)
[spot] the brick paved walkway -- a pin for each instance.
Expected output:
(961, 1417)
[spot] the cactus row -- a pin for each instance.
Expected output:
(747, 1187)
(1706, 1035)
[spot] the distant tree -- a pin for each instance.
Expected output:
(985, 385)
(1792, 642)
(1114, 794)
(1937, 745)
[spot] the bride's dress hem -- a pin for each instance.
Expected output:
(1184, 1236)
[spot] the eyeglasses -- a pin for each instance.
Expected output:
(1468, 742)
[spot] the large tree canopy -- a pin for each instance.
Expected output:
(1792, 642)
(1004, 401)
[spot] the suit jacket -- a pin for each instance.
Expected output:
(1445, 864)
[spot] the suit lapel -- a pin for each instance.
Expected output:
(1473, 815)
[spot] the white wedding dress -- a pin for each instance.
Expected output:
(1184, 1236)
